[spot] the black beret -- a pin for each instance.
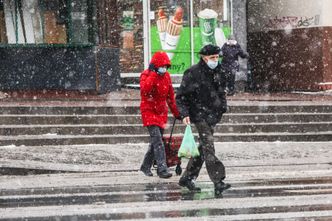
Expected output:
(209, 50)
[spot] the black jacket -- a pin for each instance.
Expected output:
(230, 55)
(201, 95)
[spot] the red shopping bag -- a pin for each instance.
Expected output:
(172, 145)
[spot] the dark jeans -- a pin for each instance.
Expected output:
(214, 166)
(230, 77)
(156, 150)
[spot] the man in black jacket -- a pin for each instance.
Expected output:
(201, 100)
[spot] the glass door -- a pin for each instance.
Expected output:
(212, 23)
(170, 31)
(182, 27)
(130, 14)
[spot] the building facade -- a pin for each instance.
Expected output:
(59, 44)
(290, 44)
(86, 44)
(179, 27)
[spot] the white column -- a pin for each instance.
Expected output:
(146, 32)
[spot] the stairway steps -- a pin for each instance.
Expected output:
(136, 118)
(113, 110)
(91, 129)
(67, 110)
(88, 123)
(43, 140)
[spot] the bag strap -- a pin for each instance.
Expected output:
(170, 136)
(172, 129)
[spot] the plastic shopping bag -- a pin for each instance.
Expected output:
(188, 146)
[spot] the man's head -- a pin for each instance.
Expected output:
(232, 40)
(210, 54)
(231, 37)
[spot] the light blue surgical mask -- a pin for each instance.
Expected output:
(212, 64)
(162, 70)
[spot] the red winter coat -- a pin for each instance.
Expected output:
(156, 92)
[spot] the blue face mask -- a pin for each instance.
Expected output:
(162, 70)
(212, 64)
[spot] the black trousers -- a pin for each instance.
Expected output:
(214, 166)
(156, 150)
(230, 77)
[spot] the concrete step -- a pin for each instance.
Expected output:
(42, 140)
(134, 78)
(68, 110)
(136, 118)
(134, 109)
(113, 129)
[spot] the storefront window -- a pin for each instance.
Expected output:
(45, 22)
(170, 31)
(211, 22)
(182, 27)
(131, 42)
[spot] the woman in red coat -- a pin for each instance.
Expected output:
(156, 93)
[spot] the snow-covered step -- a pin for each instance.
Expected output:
(26, 119)
(112, 129)
(54, 139)
(133, 108)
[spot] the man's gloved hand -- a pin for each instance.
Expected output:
(186, 120)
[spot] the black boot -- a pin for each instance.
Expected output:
(147, 172)
(189, 183)
(147, 162)
(160, 157)
(164, 174)
(220, 187)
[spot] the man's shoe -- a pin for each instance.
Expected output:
(189, 183)
(164, 174)
(219, 188)
(147, 172)
(230, 93)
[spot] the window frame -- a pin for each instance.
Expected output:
(91, 11)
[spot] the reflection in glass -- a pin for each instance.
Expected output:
(132, 50)
(211, 18)
(80, 25)
(55, 13)
(170, 32)
(44, 21)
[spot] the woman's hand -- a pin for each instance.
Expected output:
(186, 120)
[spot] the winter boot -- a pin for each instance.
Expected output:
(160, 157)
(147, 162)
(189, 183)
(147, 172)
(220, 187)
(164, 174)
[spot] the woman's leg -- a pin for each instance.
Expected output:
(147, 162)
(159, 151)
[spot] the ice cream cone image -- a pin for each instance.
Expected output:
(162, 25)
(173, 31)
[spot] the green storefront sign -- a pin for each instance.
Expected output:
(181, 56)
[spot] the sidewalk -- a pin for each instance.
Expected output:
(128, 157)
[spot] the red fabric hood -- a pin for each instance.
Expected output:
(160, 59)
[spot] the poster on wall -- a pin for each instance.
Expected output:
(171, 32)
